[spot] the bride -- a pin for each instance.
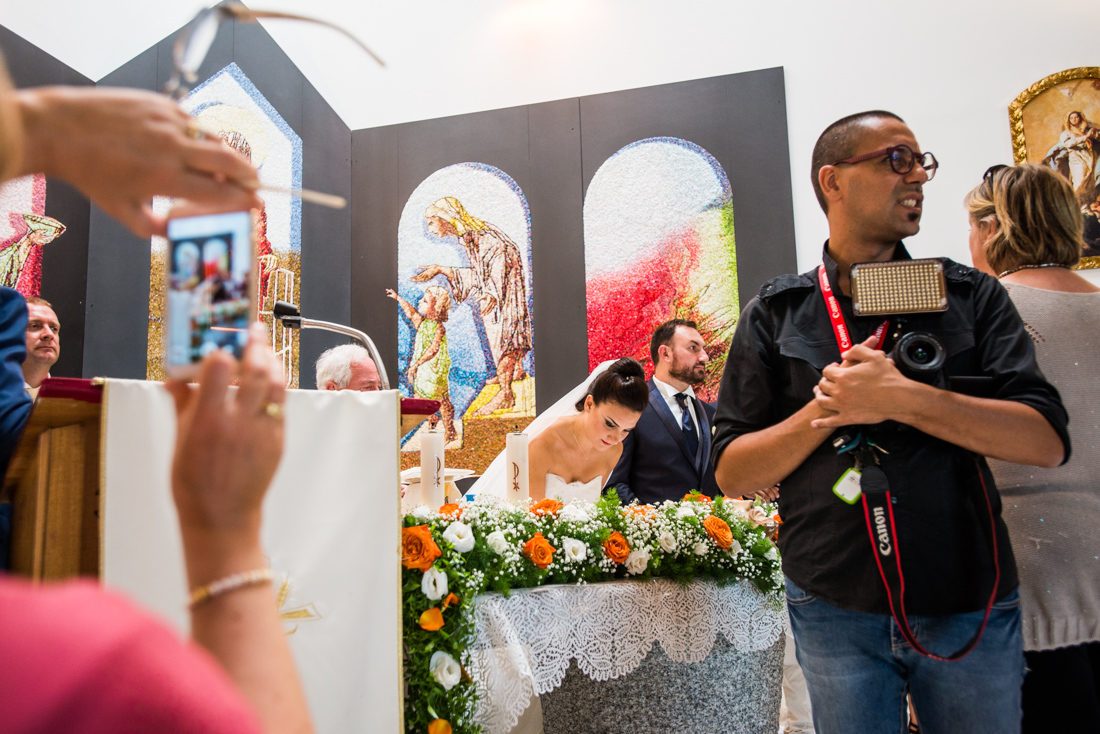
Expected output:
(615, 394)
(571, 458)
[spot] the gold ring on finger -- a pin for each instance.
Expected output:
(274, 410)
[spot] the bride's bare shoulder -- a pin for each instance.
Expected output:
(554, 434)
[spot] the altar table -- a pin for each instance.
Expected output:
(589, 652)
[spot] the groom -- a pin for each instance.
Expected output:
(668, 453)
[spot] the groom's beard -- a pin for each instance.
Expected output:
(691, 374)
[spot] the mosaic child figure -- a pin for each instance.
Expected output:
(431, 362)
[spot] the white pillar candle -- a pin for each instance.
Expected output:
(431, 469)
(517, 472)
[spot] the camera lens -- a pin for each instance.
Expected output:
(919, 354)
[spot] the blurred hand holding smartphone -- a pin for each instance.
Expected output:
(211, 289)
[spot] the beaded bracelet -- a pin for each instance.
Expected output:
(230, 583)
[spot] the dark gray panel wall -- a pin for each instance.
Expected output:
(118, 280)
(118, 270)
(556, 197)
(553, 150)
(376, 209)
(326, 234)
(65, 260)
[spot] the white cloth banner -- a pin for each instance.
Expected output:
(331, 530)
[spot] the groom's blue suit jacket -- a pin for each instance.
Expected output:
(655, 465)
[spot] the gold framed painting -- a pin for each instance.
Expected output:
(1056, 122)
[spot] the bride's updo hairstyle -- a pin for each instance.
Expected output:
(623, 383)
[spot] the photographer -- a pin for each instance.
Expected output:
(784, 400)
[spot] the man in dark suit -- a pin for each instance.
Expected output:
(667, 454)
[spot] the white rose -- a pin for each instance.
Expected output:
(575, 550)
(667, 541)
(637, 561)
(572, 513)
(434, 584)
(757, 516)
(700, 548)
(460, 536)
(445, 669)
(685, 511)
(735, 547)
(772, 554)
(497, 542)
(422, 512)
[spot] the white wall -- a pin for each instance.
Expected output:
(949, 67)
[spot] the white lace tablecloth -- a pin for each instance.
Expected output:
(524, 643)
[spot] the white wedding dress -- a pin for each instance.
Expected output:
(557, 488)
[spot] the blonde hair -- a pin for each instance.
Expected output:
(442, 300)
(1038, 213)
(11, 128)
(451, 210)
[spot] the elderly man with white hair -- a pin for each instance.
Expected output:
(347, 367)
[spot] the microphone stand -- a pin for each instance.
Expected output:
(291, 317)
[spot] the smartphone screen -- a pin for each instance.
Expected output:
(210, 300)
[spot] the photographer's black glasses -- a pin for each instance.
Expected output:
(902, 159)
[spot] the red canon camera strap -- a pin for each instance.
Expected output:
(840, 329)
(879, 512)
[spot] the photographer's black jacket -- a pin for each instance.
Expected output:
(783, 341)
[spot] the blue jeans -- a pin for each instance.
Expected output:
(858, 668)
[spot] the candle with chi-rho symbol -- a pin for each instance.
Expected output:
(517, 475)
(432, 491)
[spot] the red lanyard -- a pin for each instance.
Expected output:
(832, 305)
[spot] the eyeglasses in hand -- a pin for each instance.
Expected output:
(194, 42)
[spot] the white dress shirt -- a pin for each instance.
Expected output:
(669, 393)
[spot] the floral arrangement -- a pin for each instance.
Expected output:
(453, 554)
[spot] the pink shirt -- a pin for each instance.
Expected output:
(76, 658)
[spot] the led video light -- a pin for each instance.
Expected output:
(898, 287)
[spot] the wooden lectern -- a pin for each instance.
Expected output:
(55, 479)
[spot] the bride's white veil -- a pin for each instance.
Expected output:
(492, 482)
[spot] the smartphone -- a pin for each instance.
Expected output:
(211, 291)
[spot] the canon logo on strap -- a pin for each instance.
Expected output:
(883, 536)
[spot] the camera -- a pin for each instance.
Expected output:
(919, 356)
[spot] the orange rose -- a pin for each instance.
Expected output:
(418, 550)
(718, 531)
(539, 551)
(695, 497)
(642, 510)
(439, 726)
(547, 507)
(616, 547)
(451, 599)
(432, 619)
(450, 509)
